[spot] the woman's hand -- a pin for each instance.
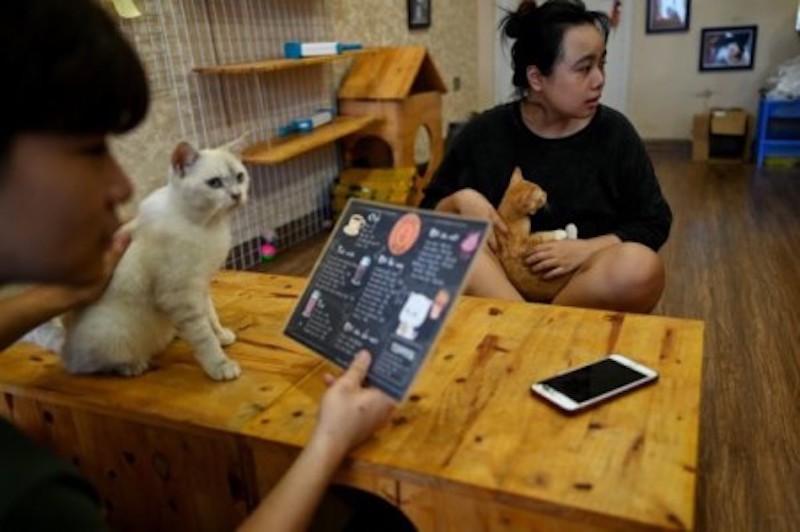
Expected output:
(472, 203)
(555, 259)
(551, 260)
(75, 296)
(36, 304)
(350, 413)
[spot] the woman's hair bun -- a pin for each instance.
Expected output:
(515, 21)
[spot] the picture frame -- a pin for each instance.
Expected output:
(797, 20)
(419, 14)
(665, 16)
(728, 48)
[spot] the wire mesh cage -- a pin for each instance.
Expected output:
(175, 36)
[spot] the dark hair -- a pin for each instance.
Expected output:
(539, 33)
(68, 69)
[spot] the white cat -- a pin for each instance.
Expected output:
(161, 286)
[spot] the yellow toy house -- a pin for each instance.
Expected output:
(402, 87)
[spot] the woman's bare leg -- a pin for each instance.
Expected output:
(627, 277)
(489, 279)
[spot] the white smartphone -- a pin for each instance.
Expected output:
(578, 388)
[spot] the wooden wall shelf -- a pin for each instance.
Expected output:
(282, 149)
(273, 65)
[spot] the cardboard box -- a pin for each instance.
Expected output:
(729, 122)
(722, 135)
(700, 137)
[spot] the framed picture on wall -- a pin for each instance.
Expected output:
(419, 14)
(797, 20)
(731, 48)
(668, 15)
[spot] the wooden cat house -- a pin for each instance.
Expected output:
(404, 89)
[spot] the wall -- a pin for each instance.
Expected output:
(451, 39)
(485, 36)
(666, 88)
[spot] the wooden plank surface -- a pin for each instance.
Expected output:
(146, 478)
(279, 150)
(469, 426)
(731, 260)
(392, 74)
(273, 65)
(432, 509)
(387, 75)
(176, 391)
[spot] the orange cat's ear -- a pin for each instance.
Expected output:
(516, 176)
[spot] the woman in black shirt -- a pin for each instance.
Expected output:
(587, 157)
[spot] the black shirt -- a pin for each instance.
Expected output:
(41, 492)
(600, 178)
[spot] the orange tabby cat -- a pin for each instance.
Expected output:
(522, 199)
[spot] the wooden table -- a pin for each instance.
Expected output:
(470, 449)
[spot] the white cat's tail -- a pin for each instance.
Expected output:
(49, 335)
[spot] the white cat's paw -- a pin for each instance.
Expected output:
(226, 370)
(226, 337)
(134, 369)
(559, 234)
(572, 232)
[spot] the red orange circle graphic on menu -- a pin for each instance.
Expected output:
(404, 233)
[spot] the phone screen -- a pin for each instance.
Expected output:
(594, 380)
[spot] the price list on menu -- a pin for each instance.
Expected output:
(385, 282)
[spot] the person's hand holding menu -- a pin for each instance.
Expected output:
(386, 282)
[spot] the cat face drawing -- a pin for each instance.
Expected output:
(413, 315)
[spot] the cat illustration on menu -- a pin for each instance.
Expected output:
(413, 315)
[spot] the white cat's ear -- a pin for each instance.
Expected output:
(237, 145)
(516, 175)
(184, 156)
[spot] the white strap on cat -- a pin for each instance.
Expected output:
(572, 232)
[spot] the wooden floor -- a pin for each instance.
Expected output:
(733, 260)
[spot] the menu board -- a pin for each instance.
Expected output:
(386, 282)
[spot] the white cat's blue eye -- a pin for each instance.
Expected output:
(214, 182)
